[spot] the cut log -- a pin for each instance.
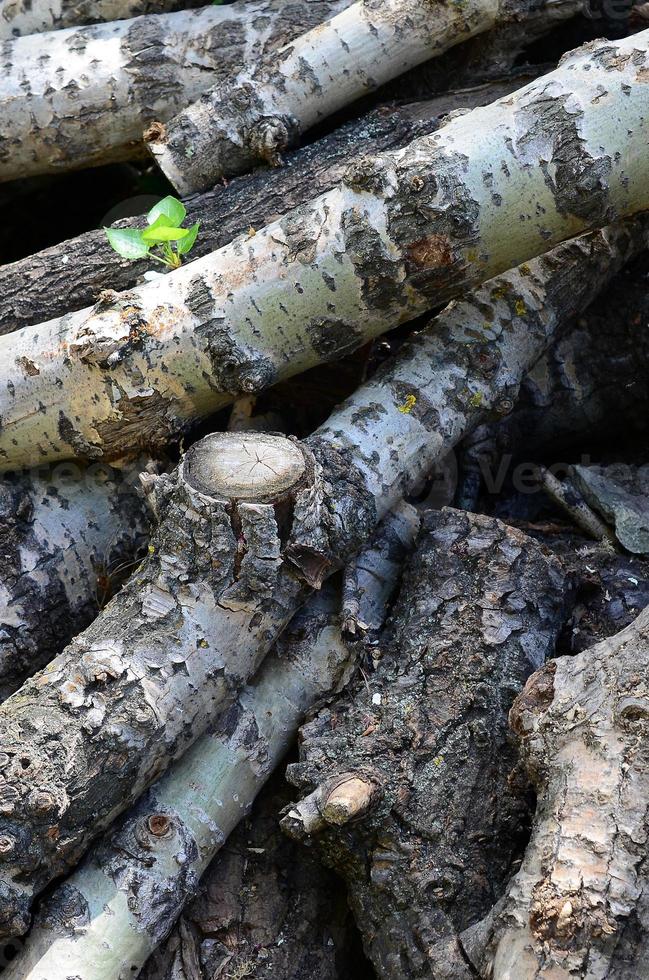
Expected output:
(70, 275)
(400, 234)
(578, 906)
(68, 538)
(267, 906)
(226, 573)
(18, 17)
(113, 912)
(408, 772)
(269, 105)
(80, 97)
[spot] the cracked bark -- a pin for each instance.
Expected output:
(18, 17)
(400, 234)
(116, 908)
(67, 537)
(83, 95)
(70, 275)
(226, 574)
(578, 905)
(267, 106)
(426, 835)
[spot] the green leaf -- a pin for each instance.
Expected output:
(168, 208)
(187, 243)
(127, 242)
(154, 236)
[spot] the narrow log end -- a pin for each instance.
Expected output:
(349, 800)
(251, 466)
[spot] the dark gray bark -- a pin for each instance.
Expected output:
(70, 275)
(432, 847)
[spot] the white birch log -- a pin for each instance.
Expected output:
(268, 105)
(109, 916)
(19, 17)
(81, 97)
(578, 906)
(402, 233)
(68, 537)
(249, 525)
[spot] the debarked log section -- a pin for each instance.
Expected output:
(80, 97)
(402, 233)
(265, 110)
(408, 771)
(247, 529)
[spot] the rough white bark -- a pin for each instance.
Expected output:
(18, 17)
(81, 97)
(578, 906)
(109, 916)
(268, 105)
(68, 537)
(226, 573)
(402, 233)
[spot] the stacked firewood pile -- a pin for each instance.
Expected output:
(324, 550)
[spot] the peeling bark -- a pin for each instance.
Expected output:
(19, 17)
(578, 905)
(400, 234)
(409, 772)
(265, 109)
(116, 908)
(226, 573)
(67, 537)
(70, 275)
(80, 97)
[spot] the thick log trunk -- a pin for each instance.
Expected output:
(70, 275)
(267, 906)
(132, 688)
(432, 843)
(67, 539)
(269, 105)
(18, 17)
(129, 892)
(578, 906)
(112, 913)
(81, 97)
(401, 233)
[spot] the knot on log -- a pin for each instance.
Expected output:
(270, 136)
(114, 326)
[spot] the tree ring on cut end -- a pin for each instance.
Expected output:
(252, 466)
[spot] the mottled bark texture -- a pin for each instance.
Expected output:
(229, 568)
(266, 906)
(18, 17)
(589, 388)
(619, 493)
(578, 905)
(432, 845)
(80, 97)
(370, 578)
(68, 536)
(111, 914)
(70, 275)
(268, 105)
(385, 245)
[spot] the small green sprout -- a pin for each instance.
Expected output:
(164, 221)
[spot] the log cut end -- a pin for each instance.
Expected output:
(251, 466)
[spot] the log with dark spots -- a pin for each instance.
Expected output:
(479, 609)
